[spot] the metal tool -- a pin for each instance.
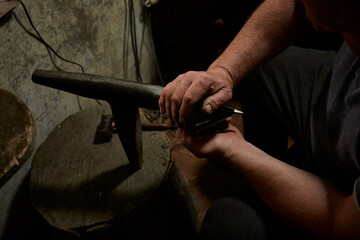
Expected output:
(105, 130)
(123, 96)
(204, 123)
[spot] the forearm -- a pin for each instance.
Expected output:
(300, 198)
(272, 27)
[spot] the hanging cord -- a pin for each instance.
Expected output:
(40, 39)
(125, 42)
(129, 10)
(44, 42)
(133, 39)
(150, 22)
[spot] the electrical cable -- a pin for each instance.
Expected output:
(154, 50)
(133, 39)
(129, 11)
(40, 39)
(125, 43)
(143, 17)
(45, 43)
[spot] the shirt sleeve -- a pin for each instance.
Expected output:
(357, 193)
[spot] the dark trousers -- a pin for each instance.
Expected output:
(278, 100)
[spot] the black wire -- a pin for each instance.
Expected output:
(125, 43)
(154, 50)
(39, 38)
(44, 42)
(133, 39)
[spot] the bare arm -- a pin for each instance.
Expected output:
(272, 27)
(302, 199)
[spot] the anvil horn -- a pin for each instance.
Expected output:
(124, 97)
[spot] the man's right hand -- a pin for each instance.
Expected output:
(180, 97)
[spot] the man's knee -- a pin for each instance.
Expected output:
(231, 218)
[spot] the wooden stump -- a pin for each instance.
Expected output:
(17, 131)
(78, 186)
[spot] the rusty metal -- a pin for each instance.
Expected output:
(123, 96)
(105, 130)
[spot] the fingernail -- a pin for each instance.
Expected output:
(208, 108)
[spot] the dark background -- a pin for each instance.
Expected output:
(190, 34)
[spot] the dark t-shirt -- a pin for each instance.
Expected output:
(336, 139)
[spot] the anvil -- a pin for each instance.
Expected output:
(124, 97)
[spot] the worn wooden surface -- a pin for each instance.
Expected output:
(6, 6)
(17, 131)
(76, 184)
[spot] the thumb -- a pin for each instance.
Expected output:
(215, 101)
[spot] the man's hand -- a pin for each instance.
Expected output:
(218, 146)
(180, 97)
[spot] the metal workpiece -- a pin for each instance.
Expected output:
(123, 96)
(101, 87)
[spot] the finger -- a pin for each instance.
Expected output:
(177, 97)
(167, 93)
(168, 110)
(163, 100)
(161, 103)
(172, 95)
(194, 94)
(174, 111)
(216, 100)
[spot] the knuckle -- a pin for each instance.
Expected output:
(180, 77)
(207, 82)
(168, 97)
(188, 99)
(190, 73)
(212, 87)
(165, 91)
(185, 76)
(175, 99)
(202, 80)
(214, 83)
